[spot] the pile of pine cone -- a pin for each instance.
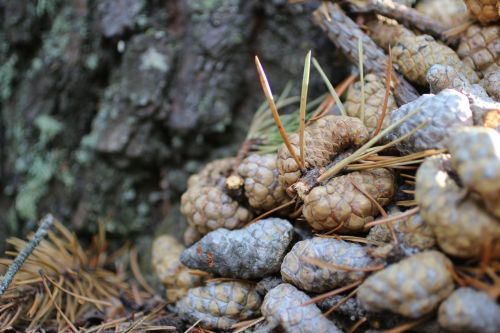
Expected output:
(341, 253)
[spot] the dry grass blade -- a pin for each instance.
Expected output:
(361, 78)
(408, 326)
(388, 75)
(393, 218)
(327, 265)
(360, 322)
(303, 105)
(342, 301)
(272, 211)
(192, 326)
(134, 265)
(333, 293)
(270, 100)
(329, 86)
(244, 325)
(51, 296)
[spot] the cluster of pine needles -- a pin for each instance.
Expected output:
(62, 287)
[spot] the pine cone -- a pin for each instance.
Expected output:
(386, 32)
(446, 112)
(209, 208)
(166, 252)
(412, 287)
(491, 83)
(220, 305)
(213, 174)
(485, 111)
(338, 202)
(249, 253)
(468, 310)
(316, 279)
(441, 77)
(412, 232)
(374, 100)
(475, 155)
(191, 235)
(415, 55)
(262, 188)
(283, 306)
(484, 10)
(459, 222)
(480, 48)
(449, 12)
(324, 139)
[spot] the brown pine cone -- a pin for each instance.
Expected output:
(469, 310)
(415, 55)
(213, 173)
(284, 306)
(324, 139)
(475, 156)
(386, 32)
(191, 235)
(262, 188)
(491, 83)
(338, 202)
(449, 12)
(412, 287)
(444, 112)
(166, 252)
(208, 208)
(412, 232)
(374, 100)
(484, 10)
(316, 279)
(459, 221)
(220, 305)
(480, 48)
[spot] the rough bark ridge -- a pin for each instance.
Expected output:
(107, 106)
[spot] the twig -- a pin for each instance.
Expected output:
(344, 32)
(192, 326)
(16, 265)
(303, 105)
(403, 14)
(270, 100)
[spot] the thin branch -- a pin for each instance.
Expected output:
(270, 100)
(303, 105)
(18, 262)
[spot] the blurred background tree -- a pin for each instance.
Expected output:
(106, 107)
